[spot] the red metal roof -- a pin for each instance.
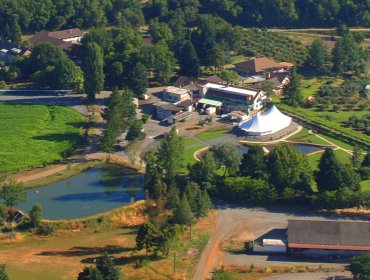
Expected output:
(328, 247)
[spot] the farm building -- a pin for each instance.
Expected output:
(338, 239)
(261, 66)
(10, 51)
(266, 123)
(233, 98)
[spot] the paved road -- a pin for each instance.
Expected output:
(255, 222)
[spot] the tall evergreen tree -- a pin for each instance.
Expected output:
(93, 70)
(291, 91)
(182, 214)
(356, 157)
(348, 55)
(188, 60)
(107, 268)
(90, 273)
(147, 237)
(170, 155)
(332, 175)
(318, 60)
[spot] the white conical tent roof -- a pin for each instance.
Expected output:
(269, 122)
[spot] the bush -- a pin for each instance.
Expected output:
(46, 229)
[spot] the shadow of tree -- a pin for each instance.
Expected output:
(57, 137)
(83, 251)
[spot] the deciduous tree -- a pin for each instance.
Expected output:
(12, 193)
(360, 266)
(227, 155)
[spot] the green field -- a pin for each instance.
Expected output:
(189, 156)
(33, 135)
(211, 134)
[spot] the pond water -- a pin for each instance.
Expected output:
(303, 148)
(93, 191)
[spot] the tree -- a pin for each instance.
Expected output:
(138, 79)
(135, 131)
(332, 175)
(90, 273)
(356, 157)
(203, 171)
(360, 266)
(318, 60)
(66, 75)
(3, 214)
(93, 70)
(199, 200)
(36, 214)
(291, 91)
(289, 169)
(227, 155)
(147, 238)
(253, 163)
(3, 275)
(348, 55)
(170, 155)
(188, 60)
(268, 87)
(230, 76)
(182, 214)
(12, 193)
(107, 268)
(247, 190)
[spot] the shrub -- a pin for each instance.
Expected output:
(46, 229)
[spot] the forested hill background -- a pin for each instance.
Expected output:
(30, 16)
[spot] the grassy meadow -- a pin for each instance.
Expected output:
(33, 135)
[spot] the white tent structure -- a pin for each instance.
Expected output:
(266, 123)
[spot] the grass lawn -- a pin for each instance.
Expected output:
(188, 156)
(63, 256)
(365, 185)
(304, 136)
(33, 135)
(212, 134)
(189, 141)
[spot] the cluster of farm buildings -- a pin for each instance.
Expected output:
(210, 96)
(316, 239)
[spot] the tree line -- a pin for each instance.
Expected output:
(173, 202)
(25, 16)
(283, 175)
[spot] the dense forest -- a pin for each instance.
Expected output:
(28, 16)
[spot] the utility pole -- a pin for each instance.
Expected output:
(174, 264)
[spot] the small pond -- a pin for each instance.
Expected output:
(93, 191)
(303, 148)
